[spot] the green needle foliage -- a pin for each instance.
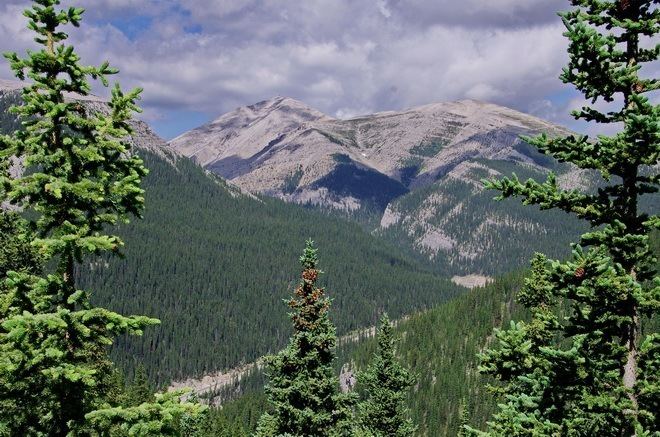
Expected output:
(16, 254)
(464, 424)
(583, 366)
(165, 416)
(140, 390)
(304, 391)
(384, 413)
(79, 179)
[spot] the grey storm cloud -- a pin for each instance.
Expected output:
(484, 14)
(344, 57)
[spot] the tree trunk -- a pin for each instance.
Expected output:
(632, 343)
(632, 330)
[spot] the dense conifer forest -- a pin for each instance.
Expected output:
(212, 264)
(440, 348)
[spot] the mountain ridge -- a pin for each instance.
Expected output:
(415, 173)
(422, 194)
(262, 147)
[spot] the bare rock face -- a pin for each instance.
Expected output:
(283, 148)
(347, 378)
(421, 168)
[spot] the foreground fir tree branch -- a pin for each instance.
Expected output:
(592, 372)
(79, 179)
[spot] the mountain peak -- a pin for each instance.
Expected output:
(472, 102)
(282, 100)
(275, 111)
(284, 105)
(273, 143)
(257, 125)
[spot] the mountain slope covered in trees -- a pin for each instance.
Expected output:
(439, 346)
(414, 176)
(211, 263)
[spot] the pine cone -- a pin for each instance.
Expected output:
(579, 272)
(310, 275)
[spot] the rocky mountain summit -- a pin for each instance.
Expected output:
(283, 148)
(418, 170)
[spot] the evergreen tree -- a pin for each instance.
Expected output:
(139, 391)
(463, 426)
(304, 391)
(116, 393)
(592, 371)
(79, 179)
(384, 413)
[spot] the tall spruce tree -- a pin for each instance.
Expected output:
(303, 391)
(583, 366)
(139, 390)
(79, 179)
(384, 413)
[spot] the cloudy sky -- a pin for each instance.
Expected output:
(197, 59)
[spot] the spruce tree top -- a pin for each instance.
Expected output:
(310, 305)
(303, 391)
(309, 258)
(79, 175)
(384, 412)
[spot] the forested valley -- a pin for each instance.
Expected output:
(212, 264)
(125, 267)
(440, 348)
